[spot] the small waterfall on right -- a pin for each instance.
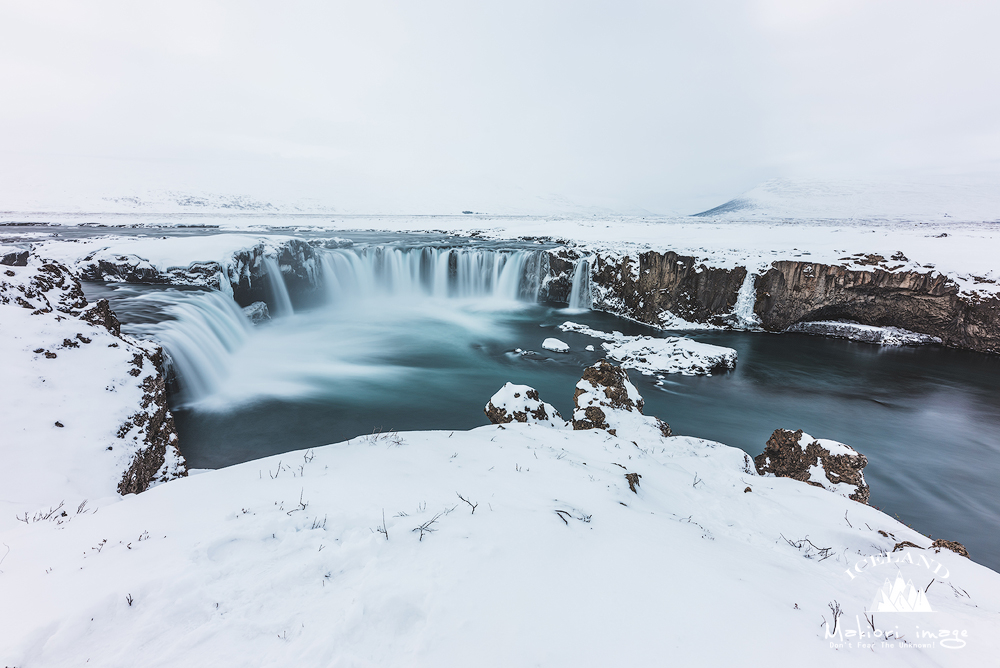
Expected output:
(745, 300)
(580, 296)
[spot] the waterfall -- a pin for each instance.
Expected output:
(383, 271)
(206, 330)
(746, 298)
(579, 293)
(279, 293)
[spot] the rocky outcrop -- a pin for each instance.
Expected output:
(606, 399)
(927, 303)
(158, 458)
(16, 258)
(520, 403)
(244, 274)
(296, 260)
(655, 288)
(643, 288)
(957, 548)
(558, 281)
(257, 312)
(828, 464)
(150, 443)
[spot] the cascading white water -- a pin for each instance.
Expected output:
(745, 300)
(580, 296)
(279, 292)
(377, 303)
(206, 331)
(434, 272)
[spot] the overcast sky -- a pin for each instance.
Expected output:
(423, 106)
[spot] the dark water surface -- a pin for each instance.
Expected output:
(927, 418)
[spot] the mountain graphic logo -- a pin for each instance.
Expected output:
(900, 596)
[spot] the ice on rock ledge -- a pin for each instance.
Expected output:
(885, 336)
(555, 345)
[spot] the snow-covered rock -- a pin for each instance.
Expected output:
(655, 356)
(83, 408)
(886, 336)
(520, 403)
(834, 466)
(257, 312)
(606, 399)
(555, 345)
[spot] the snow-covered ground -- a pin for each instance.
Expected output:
(501, 546)
(516, 544)
(70, 394)
(656, 356)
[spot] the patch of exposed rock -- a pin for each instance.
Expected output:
(606, 399)
(244, 274)
(257, 312)
(521, 403)
(955, 547)
(824, 463)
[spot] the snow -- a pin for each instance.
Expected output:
(86, 387)
(280, 562)
(555, 345)
(655, 356)
(961, 248)
(886, 336)
(521, 403)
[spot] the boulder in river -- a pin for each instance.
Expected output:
(831, 465)
(520, 403)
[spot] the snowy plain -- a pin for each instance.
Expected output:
(964, 250)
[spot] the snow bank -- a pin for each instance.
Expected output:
(654, 356)
(885, 336)
(82, 408)
(553, 561)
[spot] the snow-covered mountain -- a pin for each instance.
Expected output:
(968, 199)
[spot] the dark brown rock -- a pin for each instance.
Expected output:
(786, 457)
(958, 548)
(603, 391)
(665, 281)
(100, 314)
(928, 303)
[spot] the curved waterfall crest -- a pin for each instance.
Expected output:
(435, 272)
(207, 329)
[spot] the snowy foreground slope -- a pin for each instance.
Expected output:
(82, 408)
(316, 558)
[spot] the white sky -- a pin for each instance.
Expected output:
(427, 106)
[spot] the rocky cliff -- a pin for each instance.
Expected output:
(657, 288)
(792, 292)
